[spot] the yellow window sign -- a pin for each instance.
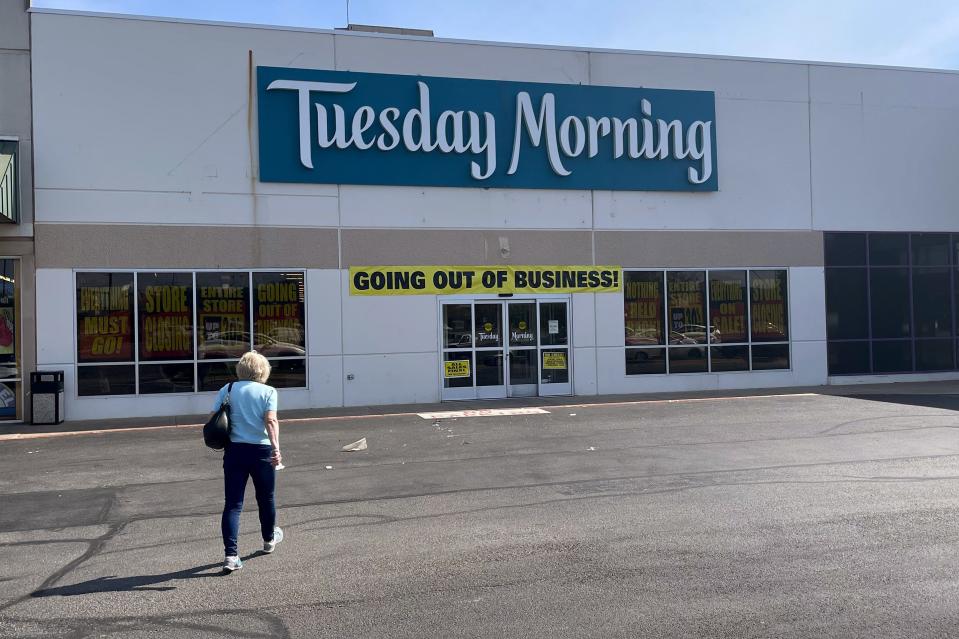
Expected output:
(473, 280)
(554, 361)
(456, 368)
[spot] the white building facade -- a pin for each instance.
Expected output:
(168, 238)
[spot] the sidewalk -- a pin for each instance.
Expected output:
(948, 390)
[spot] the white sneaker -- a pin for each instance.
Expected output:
(270, 546)
(232, 563)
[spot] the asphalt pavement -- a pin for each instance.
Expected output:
(802, 515)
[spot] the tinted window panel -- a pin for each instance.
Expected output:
(645, 361)
(932, 306)
(166, 378)
(489, 368)
(934, 355)
(729, 358)
(687, 307)
(488, 320)
(892, 357)
(889, 303)
(279, 314)
(687, 359)
(846, 307)
(930, 249)
(770, 357)
(555, 366)
(888, 249)
(768, 306)
(105, 380)
(848, 358)
(644, 302)
(727, 306)
(104, 317)
(552, 324)
(845, 249)
(460, 376)
(223, 315)
(457, 326)
(287, 373)
(215, 375)
(165, 306)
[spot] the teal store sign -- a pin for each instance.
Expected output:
(338, 127)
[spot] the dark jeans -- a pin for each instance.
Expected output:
(239, 462)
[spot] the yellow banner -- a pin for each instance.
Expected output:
(474, 280)
(456, 368)
(554, 361)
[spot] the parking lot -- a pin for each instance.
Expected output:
(794, 515)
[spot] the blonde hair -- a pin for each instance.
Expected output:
(253, 367)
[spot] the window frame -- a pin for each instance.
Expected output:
(911, 267)
(196, 360)
(709, 344)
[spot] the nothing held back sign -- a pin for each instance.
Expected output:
(336, 127)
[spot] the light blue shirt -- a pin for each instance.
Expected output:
(249, 403)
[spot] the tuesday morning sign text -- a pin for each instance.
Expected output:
(338, 127)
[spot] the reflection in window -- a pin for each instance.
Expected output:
(279, 313)
(287, 373)
(769, 311)
(687, 307)
(457, 326)
(104, 317)
(645, 361)
(743, 307)
(223, 315)
(222, 303)
(729, 358)
(106, 380)
(488, 320)
(165, 303)
(896, 315)
(643, 304)
(727, 306)
(552, 324)
(166, 378)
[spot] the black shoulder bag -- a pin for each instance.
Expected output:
(216, 432)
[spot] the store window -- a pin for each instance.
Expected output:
(892, 308)
(716, 321)
(10, 370)
(190, 329)
(9, 187)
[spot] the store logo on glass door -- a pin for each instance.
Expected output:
(337, 127)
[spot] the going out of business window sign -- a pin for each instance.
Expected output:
(337, 127)
(475, 280)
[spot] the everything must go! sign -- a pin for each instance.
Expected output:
(337, 127)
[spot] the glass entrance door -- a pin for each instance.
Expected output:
(11, 378)
(514, 348)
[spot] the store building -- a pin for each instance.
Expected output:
(396, 219)
(17, 323)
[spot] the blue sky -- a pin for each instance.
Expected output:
(889, 32)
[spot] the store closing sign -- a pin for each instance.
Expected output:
(476, 280)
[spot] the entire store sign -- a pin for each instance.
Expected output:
(475, 280)
(337, 127)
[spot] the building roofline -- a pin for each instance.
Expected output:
(515, 45)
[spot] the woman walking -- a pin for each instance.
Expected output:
(253, 451)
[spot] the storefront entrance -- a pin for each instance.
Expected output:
(505, 348)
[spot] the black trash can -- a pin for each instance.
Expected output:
(46, 397)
